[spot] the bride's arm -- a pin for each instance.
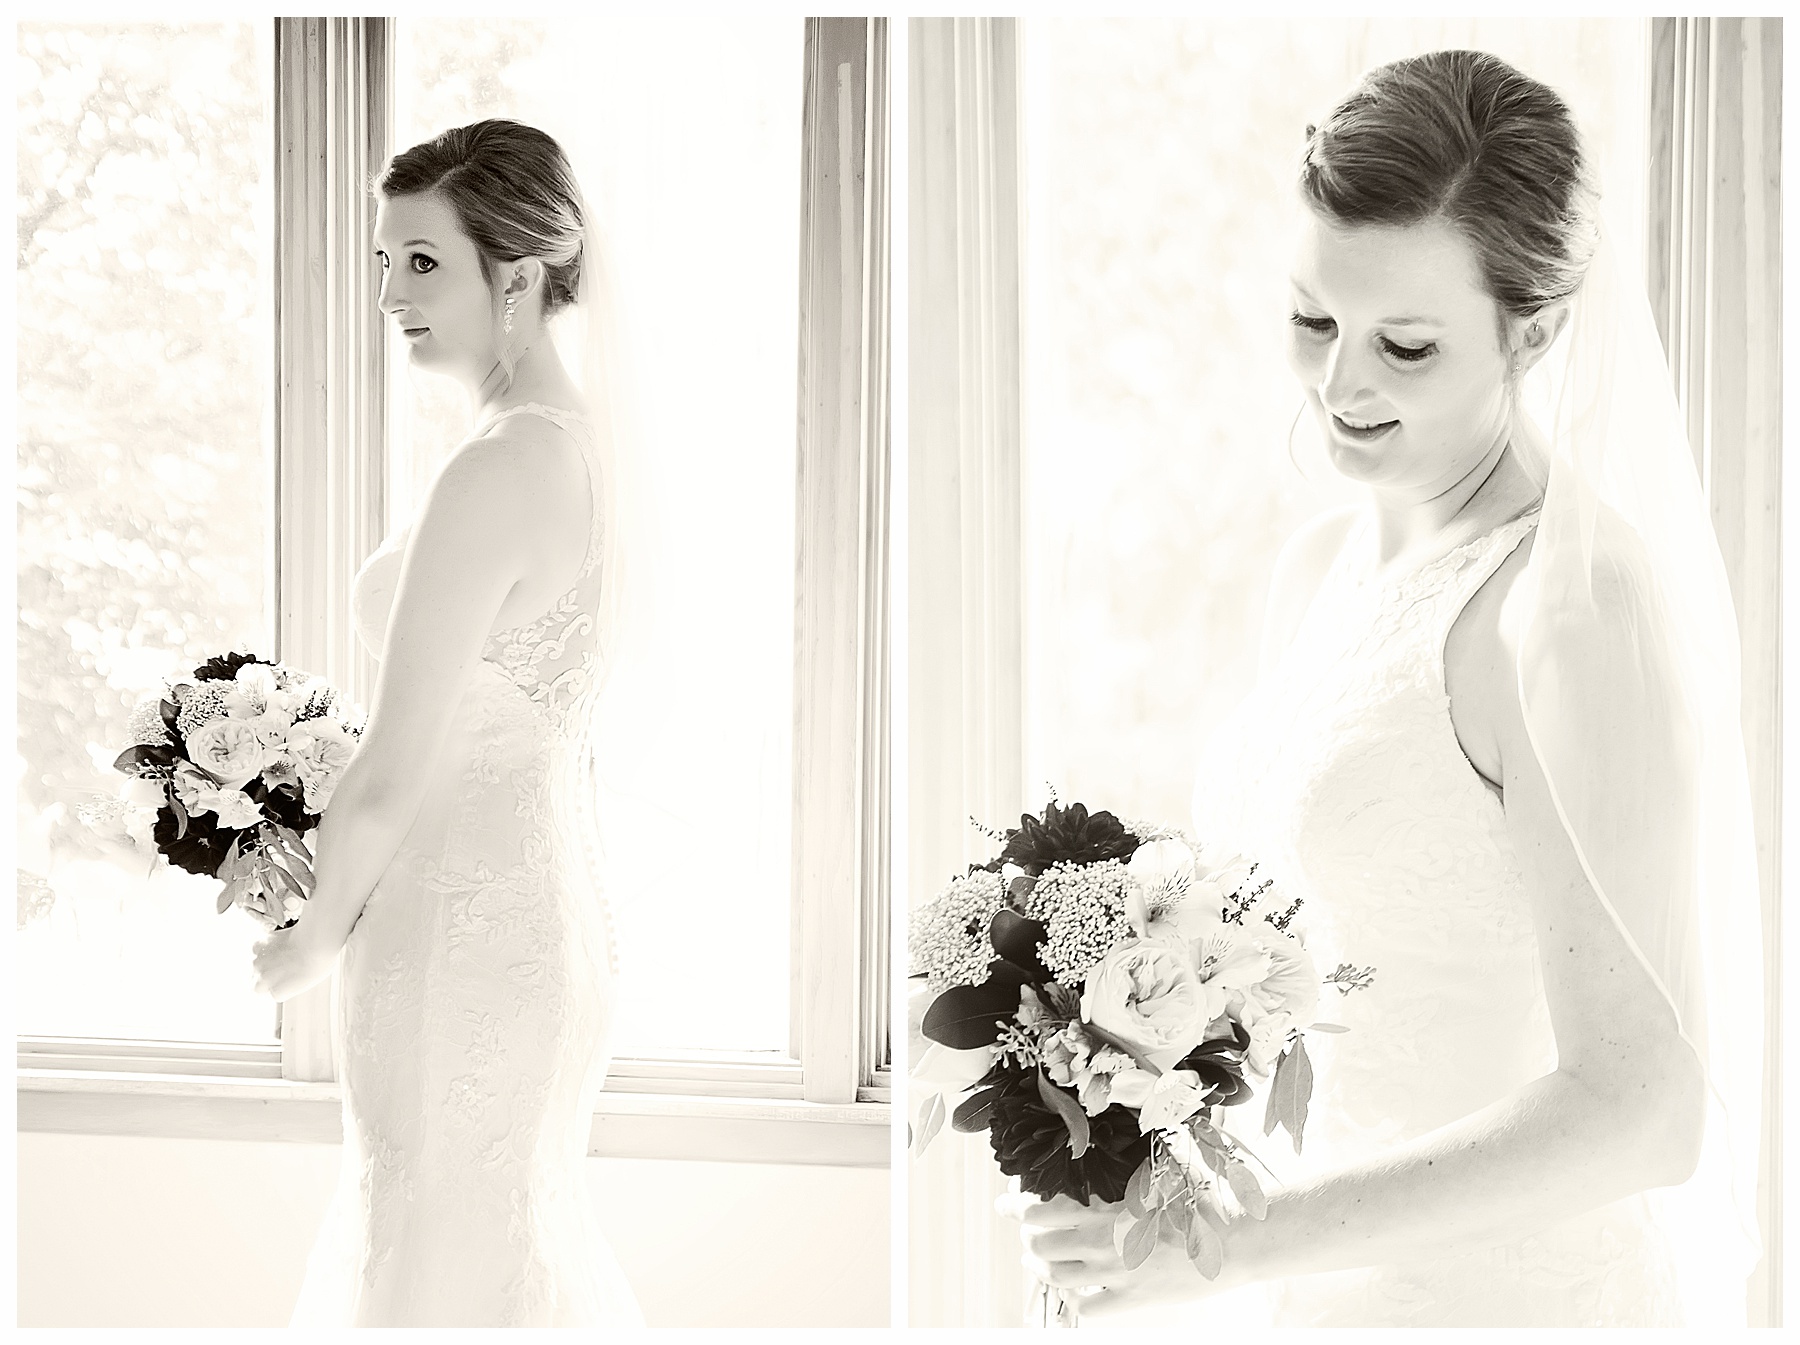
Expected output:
(468, 548)
(1622, 1111)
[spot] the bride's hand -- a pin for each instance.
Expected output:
(1072, 1246)
(293, 960)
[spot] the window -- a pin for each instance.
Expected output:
(698, 184)
(1100, 414)
(722, 184)
(145, 502)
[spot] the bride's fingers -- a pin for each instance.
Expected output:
(1058, 1213)
(1065, 1244)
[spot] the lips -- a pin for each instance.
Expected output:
(1362, 432)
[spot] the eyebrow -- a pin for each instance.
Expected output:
(1411, 320)
(416, 242)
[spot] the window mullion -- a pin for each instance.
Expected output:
(333, 120)
(1714, 264)
(840, 547)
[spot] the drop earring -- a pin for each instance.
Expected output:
(507, 321)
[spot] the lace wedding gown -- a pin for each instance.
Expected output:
(1343, 775)
(473, 1006)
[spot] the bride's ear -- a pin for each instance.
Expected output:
(1531, 337)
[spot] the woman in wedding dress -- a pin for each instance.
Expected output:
(1518, 796)
(454, 867)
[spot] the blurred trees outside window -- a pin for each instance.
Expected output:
(144, 493)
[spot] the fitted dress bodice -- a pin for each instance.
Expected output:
(473, 1008)
(1343, 775)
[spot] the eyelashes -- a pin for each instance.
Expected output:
(1405, 354)
(422, 265)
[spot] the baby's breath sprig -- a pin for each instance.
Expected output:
(1020, 1043)
(1083, 910)
(948, 936)
(1347, 978)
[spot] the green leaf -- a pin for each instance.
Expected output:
(227, 895)
(1204, 1248)
(1140, 1240)
(1301, 1095)
(931, 1120)
(1137, 1190)
(230, 866)
(1178, 1213)
(1211, 1149)
(965, 1017)
(286, 880)
(1327, 1027)
(1073, 1117)
(972, 1116)
(181, 815)
(1247, 1189)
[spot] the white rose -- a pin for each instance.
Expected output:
(227, 750)
(1147, 996)
(319, 749)
(237, 809)
(1291, 985)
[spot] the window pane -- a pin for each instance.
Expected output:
(144, 492)
(687, 136)
(1162, 156)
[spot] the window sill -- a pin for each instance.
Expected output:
(626, 1125)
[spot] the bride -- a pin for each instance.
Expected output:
(1495, 748)
(453, 868)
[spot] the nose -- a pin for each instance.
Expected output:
(388, 299)
(1344, 377)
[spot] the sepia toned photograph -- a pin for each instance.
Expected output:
(1344, 626)
(453, 789)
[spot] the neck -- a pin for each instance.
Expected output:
(538, 376)
(1493, 490)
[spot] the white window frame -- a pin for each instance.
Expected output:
(826, 1100)
(1714, 259)
(1714, 271)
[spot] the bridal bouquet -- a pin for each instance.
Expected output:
(1101, 994)
(229, 768)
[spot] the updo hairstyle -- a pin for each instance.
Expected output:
(1463, 137)
(514, 194)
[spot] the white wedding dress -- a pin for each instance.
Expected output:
(1343, 775)
(473, 1006)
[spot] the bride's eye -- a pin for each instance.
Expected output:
(1411, 354)
(422, 264)
(1323, 326)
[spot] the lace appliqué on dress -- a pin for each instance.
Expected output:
(1343, 774)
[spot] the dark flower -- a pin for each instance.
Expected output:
(201, 850)
(224, 668)
(1032, 1144)
(1066, 835)
(1220, 1065)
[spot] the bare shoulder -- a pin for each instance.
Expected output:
(1300, 567)
(1481, 661)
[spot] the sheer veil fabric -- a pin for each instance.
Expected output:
(1628, 675)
